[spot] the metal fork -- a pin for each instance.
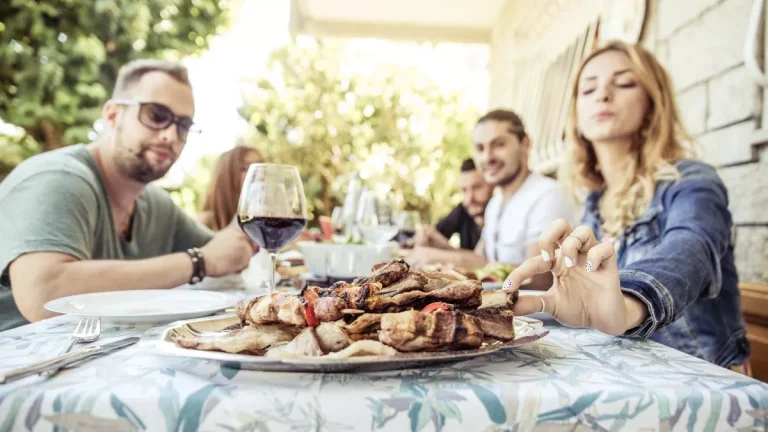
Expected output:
(87, 330)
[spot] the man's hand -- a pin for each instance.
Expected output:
(429, 236)
(229, 251)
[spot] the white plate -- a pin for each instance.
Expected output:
(142, 306)
(492, 285)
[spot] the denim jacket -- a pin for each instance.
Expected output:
(678, 259)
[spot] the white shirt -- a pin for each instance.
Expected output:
(509, 230)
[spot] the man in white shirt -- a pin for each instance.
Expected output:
(523, 205)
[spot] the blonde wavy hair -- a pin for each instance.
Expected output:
(659, 144)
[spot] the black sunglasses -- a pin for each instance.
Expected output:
(159, 117)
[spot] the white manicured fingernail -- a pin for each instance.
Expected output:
(545, 256)
(568, 262)
(589, 267)
(507, 284)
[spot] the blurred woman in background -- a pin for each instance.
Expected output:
(220, 204)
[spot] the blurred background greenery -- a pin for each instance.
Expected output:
(395, 126)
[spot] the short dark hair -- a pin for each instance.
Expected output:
(131, 73)
(516, 126)
(468, 165)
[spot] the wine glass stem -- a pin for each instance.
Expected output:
(273, 259)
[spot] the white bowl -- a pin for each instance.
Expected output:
(344, 260)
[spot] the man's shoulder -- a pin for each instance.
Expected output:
(541, 184)
(58, 168)
(494, 201)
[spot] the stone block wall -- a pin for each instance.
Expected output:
(701, 43)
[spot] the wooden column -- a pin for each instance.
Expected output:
(754, 305)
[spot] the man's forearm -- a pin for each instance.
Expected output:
(162, 272)
(82, 277)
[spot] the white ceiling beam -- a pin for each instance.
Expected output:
(302, 23)
(409, 32)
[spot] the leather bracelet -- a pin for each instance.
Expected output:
(198, 265)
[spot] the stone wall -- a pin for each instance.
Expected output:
(701, 44)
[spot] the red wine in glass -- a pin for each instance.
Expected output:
(273, 233)
(405, 238)
(272, 209)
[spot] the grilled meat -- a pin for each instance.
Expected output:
(387, 274)
(326, 338)
(248, 340)
(277, 307)
(496, 323)
(288, 309)
(413, 281)
(465, 294)
(453, 276)
(499, 298)
(365, 324)
(417, 331)
(303, 345)
(329, 309)
(436, 284)
(363, 348)
(332, 336)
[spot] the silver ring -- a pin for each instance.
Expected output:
(543, 306)
(577, 238)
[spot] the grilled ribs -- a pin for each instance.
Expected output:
(418, 331)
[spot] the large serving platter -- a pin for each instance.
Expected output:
(526, 330)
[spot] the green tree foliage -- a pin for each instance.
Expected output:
(395, 127)
(59, 58)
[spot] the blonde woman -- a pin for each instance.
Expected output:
(653, 258)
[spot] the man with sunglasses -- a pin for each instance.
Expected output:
(85, 218)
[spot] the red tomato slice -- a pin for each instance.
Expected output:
(309, 315)
(436, 306)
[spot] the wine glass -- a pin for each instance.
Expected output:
(272, 210)
(375, 218)
(340, 232)
(408, 222)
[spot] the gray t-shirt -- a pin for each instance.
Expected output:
(56, 202)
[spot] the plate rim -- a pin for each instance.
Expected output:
(224, 300)
(165, 346)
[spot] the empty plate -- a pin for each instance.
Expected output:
(142, 306)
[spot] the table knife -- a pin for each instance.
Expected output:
(64, 360)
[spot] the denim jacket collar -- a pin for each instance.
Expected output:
(592, 207)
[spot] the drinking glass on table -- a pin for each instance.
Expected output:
(375, 217)
(272, 209)
(341, 233)
(408, 222)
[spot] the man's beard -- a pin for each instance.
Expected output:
(134, 164)
(480, 210)
(512, 177)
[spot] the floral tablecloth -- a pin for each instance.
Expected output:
(569, 381)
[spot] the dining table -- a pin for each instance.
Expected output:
(570, 380)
